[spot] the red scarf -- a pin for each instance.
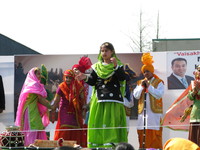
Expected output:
(72, 91)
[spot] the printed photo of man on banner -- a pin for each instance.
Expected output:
(180, 67)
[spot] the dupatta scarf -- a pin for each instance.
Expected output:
(72, 91)
(172, 118)
(31, 85)
(106, 71)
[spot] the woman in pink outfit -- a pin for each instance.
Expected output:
(32, 112)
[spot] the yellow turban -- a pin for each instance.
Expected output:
(147, 61)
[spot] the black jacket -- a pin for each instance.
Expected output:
(108, 89)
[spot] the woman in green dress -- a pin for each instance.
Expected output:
(107, 119)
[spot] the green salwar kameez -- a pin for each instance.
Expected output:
(107, 124)
(107, 119)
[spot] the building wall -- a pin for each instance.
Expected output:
(175, 44)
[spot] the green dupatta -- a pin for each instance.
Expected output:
(106, 71)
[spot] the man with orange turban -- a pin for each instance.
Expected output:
(149, 92)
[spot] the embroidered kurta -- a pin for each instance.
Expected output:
(107, 119)
(153, 119)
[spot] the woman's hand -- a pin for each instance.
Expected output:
(114, 61)
(53, 116)
(44, 102)
(53, 107)
(56, 102)
(81, 76)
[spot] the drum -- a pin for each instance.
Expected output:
(12, 137)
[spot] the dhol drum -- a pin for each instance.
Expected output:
(12, 137)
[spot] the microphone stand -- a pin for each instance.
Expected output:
(144, 130)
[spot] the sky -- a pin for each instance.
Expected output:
(81, 26)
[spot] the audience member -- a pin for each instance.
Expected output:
(180, 144)
(124, 146)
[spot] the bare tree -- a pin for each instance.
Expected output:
(142, 40)
(158, 26)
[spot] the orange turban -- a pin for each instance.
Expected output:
(147, 61)
(147, 67)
